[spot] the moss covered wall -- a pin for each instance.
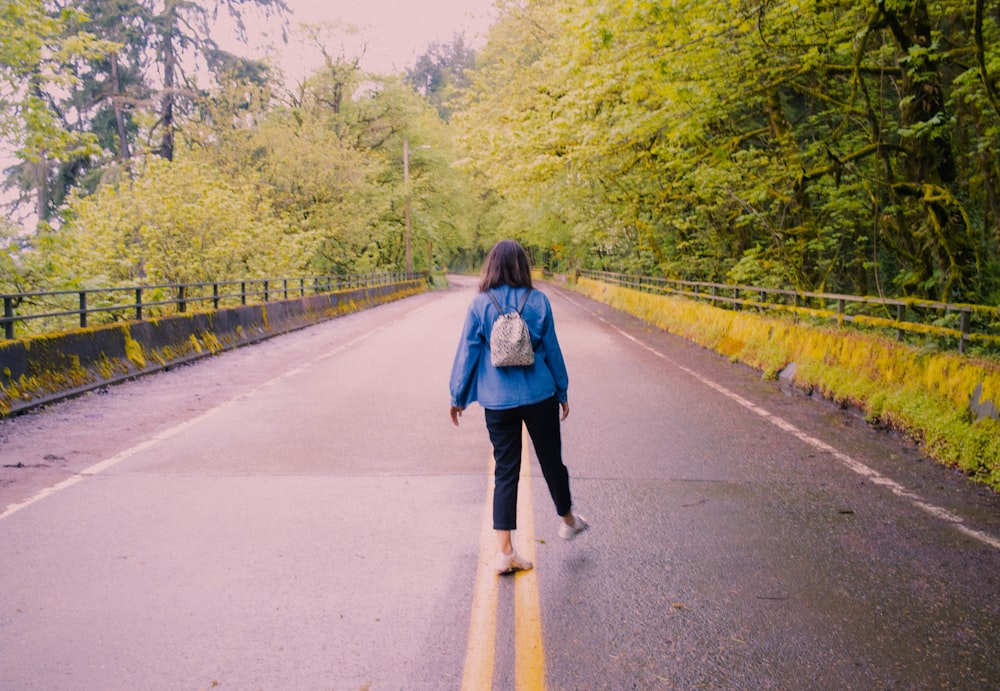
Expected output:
(947, 401)
(43, 369)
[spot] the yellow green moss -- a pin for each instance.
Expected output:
(211, 342)
(926, 394)
(105, 367)
(133, 349)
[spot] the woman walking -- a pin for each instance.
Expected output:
(532, 394)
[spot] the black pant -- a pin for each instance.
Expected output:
(542, 421)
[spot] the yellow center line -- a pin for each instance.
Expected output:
(529, 652)
(480, 649)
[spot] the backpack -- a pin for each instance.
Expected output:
(510, 342)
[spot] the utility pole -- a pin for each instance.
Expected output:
(406, 207)
(406, 203)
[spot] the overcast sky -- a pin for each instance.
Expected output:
(392, 33)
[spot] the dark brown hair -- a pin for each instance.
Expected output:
(506, 264)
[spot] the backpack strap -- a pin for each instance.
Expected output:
(524, 300)
(494, 301)
(496, 304)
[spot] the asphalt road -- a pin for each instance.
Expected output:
(301, 514)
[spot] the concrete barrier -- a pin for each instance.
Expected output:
(40, 370)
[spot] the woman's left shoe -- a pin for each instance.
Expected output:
(511, 563)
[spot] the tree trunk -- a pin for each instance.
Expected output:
(169, 61)
(932, 159)
(39, 169)
(119, 102)
(40, 173)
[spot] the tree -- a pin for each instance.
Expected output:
(839, 146)
(38, 50)
(442, 73)
(135, 88)
(181, 29)
(327, 155)
(178, 221)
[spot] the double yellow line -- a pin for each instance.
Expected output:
(529, 651)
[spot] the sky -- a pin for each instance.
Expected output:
(391, 33)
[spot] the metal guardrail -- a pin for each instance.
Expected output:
(964, 323)
(59, 309)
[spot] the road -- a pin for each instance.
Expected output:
(301, 514)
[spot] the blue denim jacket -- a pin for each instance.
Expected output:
(474, 378)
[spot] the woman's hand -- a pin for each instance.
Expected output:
(456, 413)
(565, 410)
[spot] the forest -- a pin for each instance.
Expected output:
(823, 145)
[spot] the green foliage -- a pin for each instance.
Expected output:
(831, 146)
(94, 84)
(311, 182)
(841, 146)
(39, 52)
(11, 273)
(181, 221)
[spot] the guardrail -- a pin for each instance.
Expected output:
(963, 323)
(46, 311)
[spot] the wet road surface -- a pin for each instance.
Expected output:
(302, 514)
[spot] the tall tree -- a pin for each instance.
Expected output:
(39, 50)
(145, 77)
(441, 74)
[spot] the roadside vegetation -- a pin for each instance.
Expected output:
(829, 146)
(943, 400)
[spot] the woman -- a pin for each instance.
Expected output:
(510, 396)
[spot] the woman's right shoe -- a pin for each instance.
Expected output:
(568, 532)
(511, 563)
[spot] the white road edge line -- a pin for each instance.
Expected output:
(102, 466)
(857, 466)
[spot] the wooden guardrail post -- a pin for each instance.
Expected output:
(138, 304)
(83, 309)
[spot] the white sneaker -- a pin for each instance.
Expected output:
(511, 563)
(568, 532)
